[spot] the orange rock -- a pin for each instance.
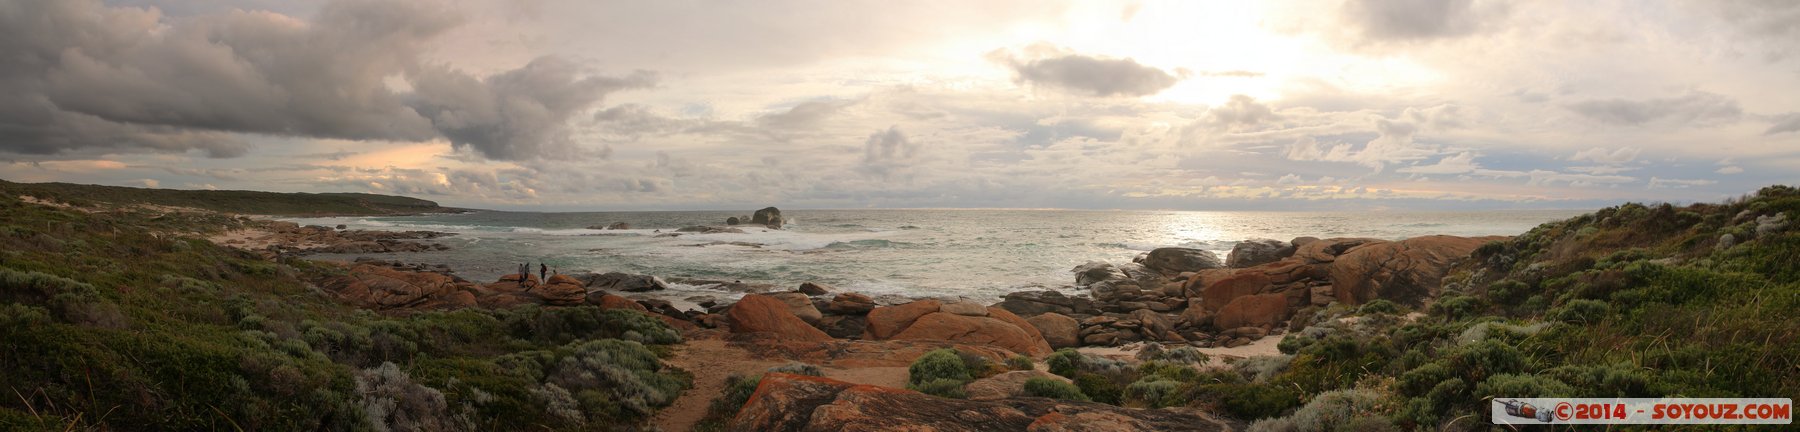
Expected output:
(1243, 283)
(383, 287)
(763, 314)
(1253, 311)
(976, 330)
(885, 322)
(1406, 272)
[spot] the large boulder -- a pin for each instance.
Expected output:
(562, 290)
(382, 287)
(1176, 260)
(787, 402)
(814, 289)
(1006, 385)
(767, 216)
(1253, 311)
(1327, 250)
(976, 331)
(616, 281)
(850, 304)
(964, 308)
(613, 301)
(800, 305)
(1241, 284)
(1032, 303)
(1258, 251)
(885, 322)
(1096, 271)
(1059, 330)
(1405, 272)
(763, 314)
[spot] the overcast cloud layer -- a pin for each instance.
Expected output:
(565, 105)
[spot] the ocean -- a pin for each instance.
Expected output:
(975, 254)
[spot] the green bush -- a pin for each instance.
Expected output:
(1151, 392)
(1065, 362)
(738, 390)
(1580, 312)
(1183, 354)
(941, 364)
(1099, 387)
(1054, 389)
(943, 387)
(1332, 411)
(1020, 363)
(1379, 306)
(977, 365)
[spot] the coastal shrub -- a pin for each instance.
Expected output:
(1186, 355)
(1580, 312)
(1419, 380)
(1099, 387)
(738, 389)
(1159, 369)
(1020, 362)
(1456, 307)
(1379, 306)
(565, 325)
(979, 366)
(1064, 362)
(1486, 358)
(1054, 389)
(1332, 411)
(1249, 401)
(1149, 351)
(616, 378)
(391, 401)
(1522, 385)
(943, 387)
(1151, 392)
(798, 368)
(1262, 368)
(1619, 379)
(943, 364)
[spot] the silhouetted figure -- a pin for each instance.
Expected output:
(543, 271)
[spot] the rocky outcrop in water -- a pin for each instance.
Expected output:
(768, 216)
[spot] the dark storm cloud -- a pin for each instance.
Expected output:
(84, 76)
(1088, 75)
(519, 114)
(1691, 108)
(1411, 20)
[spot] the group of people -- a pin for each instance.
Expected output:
(543, 272)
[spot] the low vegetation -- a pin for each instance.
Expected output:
(112, 321)
(241, 202)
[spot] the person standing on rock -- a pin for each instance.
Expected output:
(543, 271)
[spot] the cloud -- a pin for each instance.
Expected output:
(1663, 183)
(85, 76)
(1097, 76)
(1600, 155)
(1789, 122)
(1461, 163)
(806, 114)
(1418, 20)
(515, 115)
(1730, 169)
(1392, 144)
(1692, 108)
(888, 153)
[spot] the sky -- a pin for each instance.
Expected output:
(679, 104)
